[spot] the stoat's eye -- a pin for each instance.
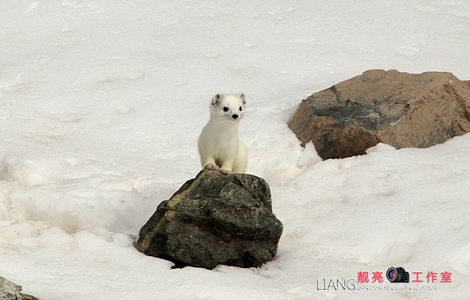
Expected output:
(240, 108)
(225, 108)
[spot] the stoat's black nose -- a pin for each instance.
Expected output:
(235, 116)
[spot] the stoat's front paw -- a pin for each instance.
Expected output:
(210, 166)
(226, 171)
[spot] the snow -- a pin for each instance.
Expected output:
(102, 103)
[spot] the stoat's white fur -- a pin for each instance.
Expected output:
(218, 143)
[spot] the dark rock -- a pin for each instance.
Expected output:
(12, 291)
(399, 109)
(214, 219)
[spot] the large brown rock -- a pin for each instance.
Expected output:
(396, 108)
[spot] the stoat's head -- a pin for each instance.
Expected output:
(228, 106)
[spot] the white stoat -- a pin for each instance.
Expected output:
(218, 143)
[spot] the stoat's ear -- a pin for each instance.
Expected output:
(216, 100)
(242, 96)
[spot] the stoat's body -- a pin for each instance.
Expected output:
(218, 143)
